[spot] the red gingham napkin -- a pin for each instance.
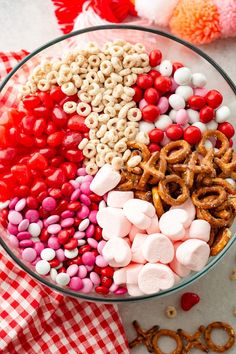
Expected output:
(34, 319)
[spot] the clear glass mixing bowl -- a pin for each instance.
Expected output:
(172, 48)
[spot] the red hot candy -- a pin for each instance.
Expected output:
(188, 300)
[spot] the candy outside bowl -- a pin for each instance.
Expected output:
(173, 49)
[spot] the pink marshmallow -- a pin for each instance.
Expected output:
(193, 254)
(176, 266)
(133, 290)
(119, 276)
(114, 222)
(188, 207)
(134, 231)
(136, 248)
(154, 227)
(139, 213)
(200, 229)
(117, 252)
(105, 180)
(155, 277)
(158, 248)
(117, 199)
(132, 272)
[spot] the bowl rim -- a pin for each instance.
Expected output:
(194, 276)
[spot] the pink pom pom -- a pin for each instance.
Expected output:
(227, 12)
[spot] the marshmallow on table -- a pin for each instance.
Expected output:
(176, 266)
(133, 290)
(105, 180)
(158, 248)
(154, 227)
(172, 224)
(117, 252)
(134, 231)
(132, 272)
(114, 222)
(139, 212)
(155, 277)
(117, 199)
(136, 248)
(200, 229)
(193, 254)
(119, 276)
(189, 207)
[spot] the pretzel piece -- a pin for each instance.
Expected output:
(208, 338)
(213, 134)
(221, 241)
(143, 337)
(218, 194)
(157, 202)
(167, 333)
(164, 190)
(176, 151)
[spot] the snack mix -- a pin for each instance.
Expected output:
(117, 171)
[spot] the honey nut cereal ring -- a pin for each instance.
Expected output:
(83, 109)
(167, 333)
(214, 221)
(176, 151)
(220, 241)
(217, 192)
(157, 202)
(225, 327)
(164, 190)
(213, 134)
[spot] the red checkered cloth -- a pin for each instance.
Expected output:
(34, 319)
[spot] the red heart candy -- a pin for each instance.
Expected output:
(188, 300)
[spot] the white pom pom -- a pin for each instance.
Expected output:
(158, 11)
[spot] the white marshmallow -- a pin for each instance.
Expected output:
(114, 222)
(154, 227)
(119, 276)
(117, 252)
(136, 248)
(133, 290)
(117, 199)
(200, 229)
(158, 248)
(154, 277)
(105, 180)
(193, 254)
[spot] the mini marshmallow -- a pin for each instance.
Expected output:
(142, 206)
(155, 277)
(189, 207)
(117, 252)
(132, 272)
(114, 222)
(119, 276)
(193, 254)
(176, 266)
(158, 248)
(134, 231)
(105, 180)
(139, 212)
(200, 229)
(154, 227)
(172, 223)
(136, 248)
(117, 199)
(133, 290)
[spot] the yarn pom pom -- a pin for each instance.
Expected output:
(227, 11)
(158, 11)
(197, 21)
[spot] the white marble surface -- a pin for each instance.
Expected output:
(29, 24)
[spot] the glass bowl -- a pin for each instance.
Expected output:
(172, 48)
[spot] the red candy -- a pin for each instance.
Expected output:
(154, 147)
(196, 102)
(176, 66)
(174, 132)
(151, 95)
(37, 162)
(102, 290)
(192, 135)
(150, 113)
(144, 81)
(156, 135)
(214, 98)
(163, 84)
(31, 102)
(76, 123)
(188, 300)
(227, 129)
(155, 57)
(138, 95)
(154, 74)
(206, 114)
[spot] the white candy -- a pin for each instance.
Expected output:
(193, 115)
(166, 68)
(184, 91)
(34, 229)
(212, 125)
(42, 267)
(163, 122)
(146, 127)
(199, 80)
(200, 126)
(53, 274)
(71, 253)
(231, 181)
(222, 114)
(182, 76)
(62, 279)
(176, 101)
(172, 115)
(4, 205)
(47, 254)
(84, 224)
